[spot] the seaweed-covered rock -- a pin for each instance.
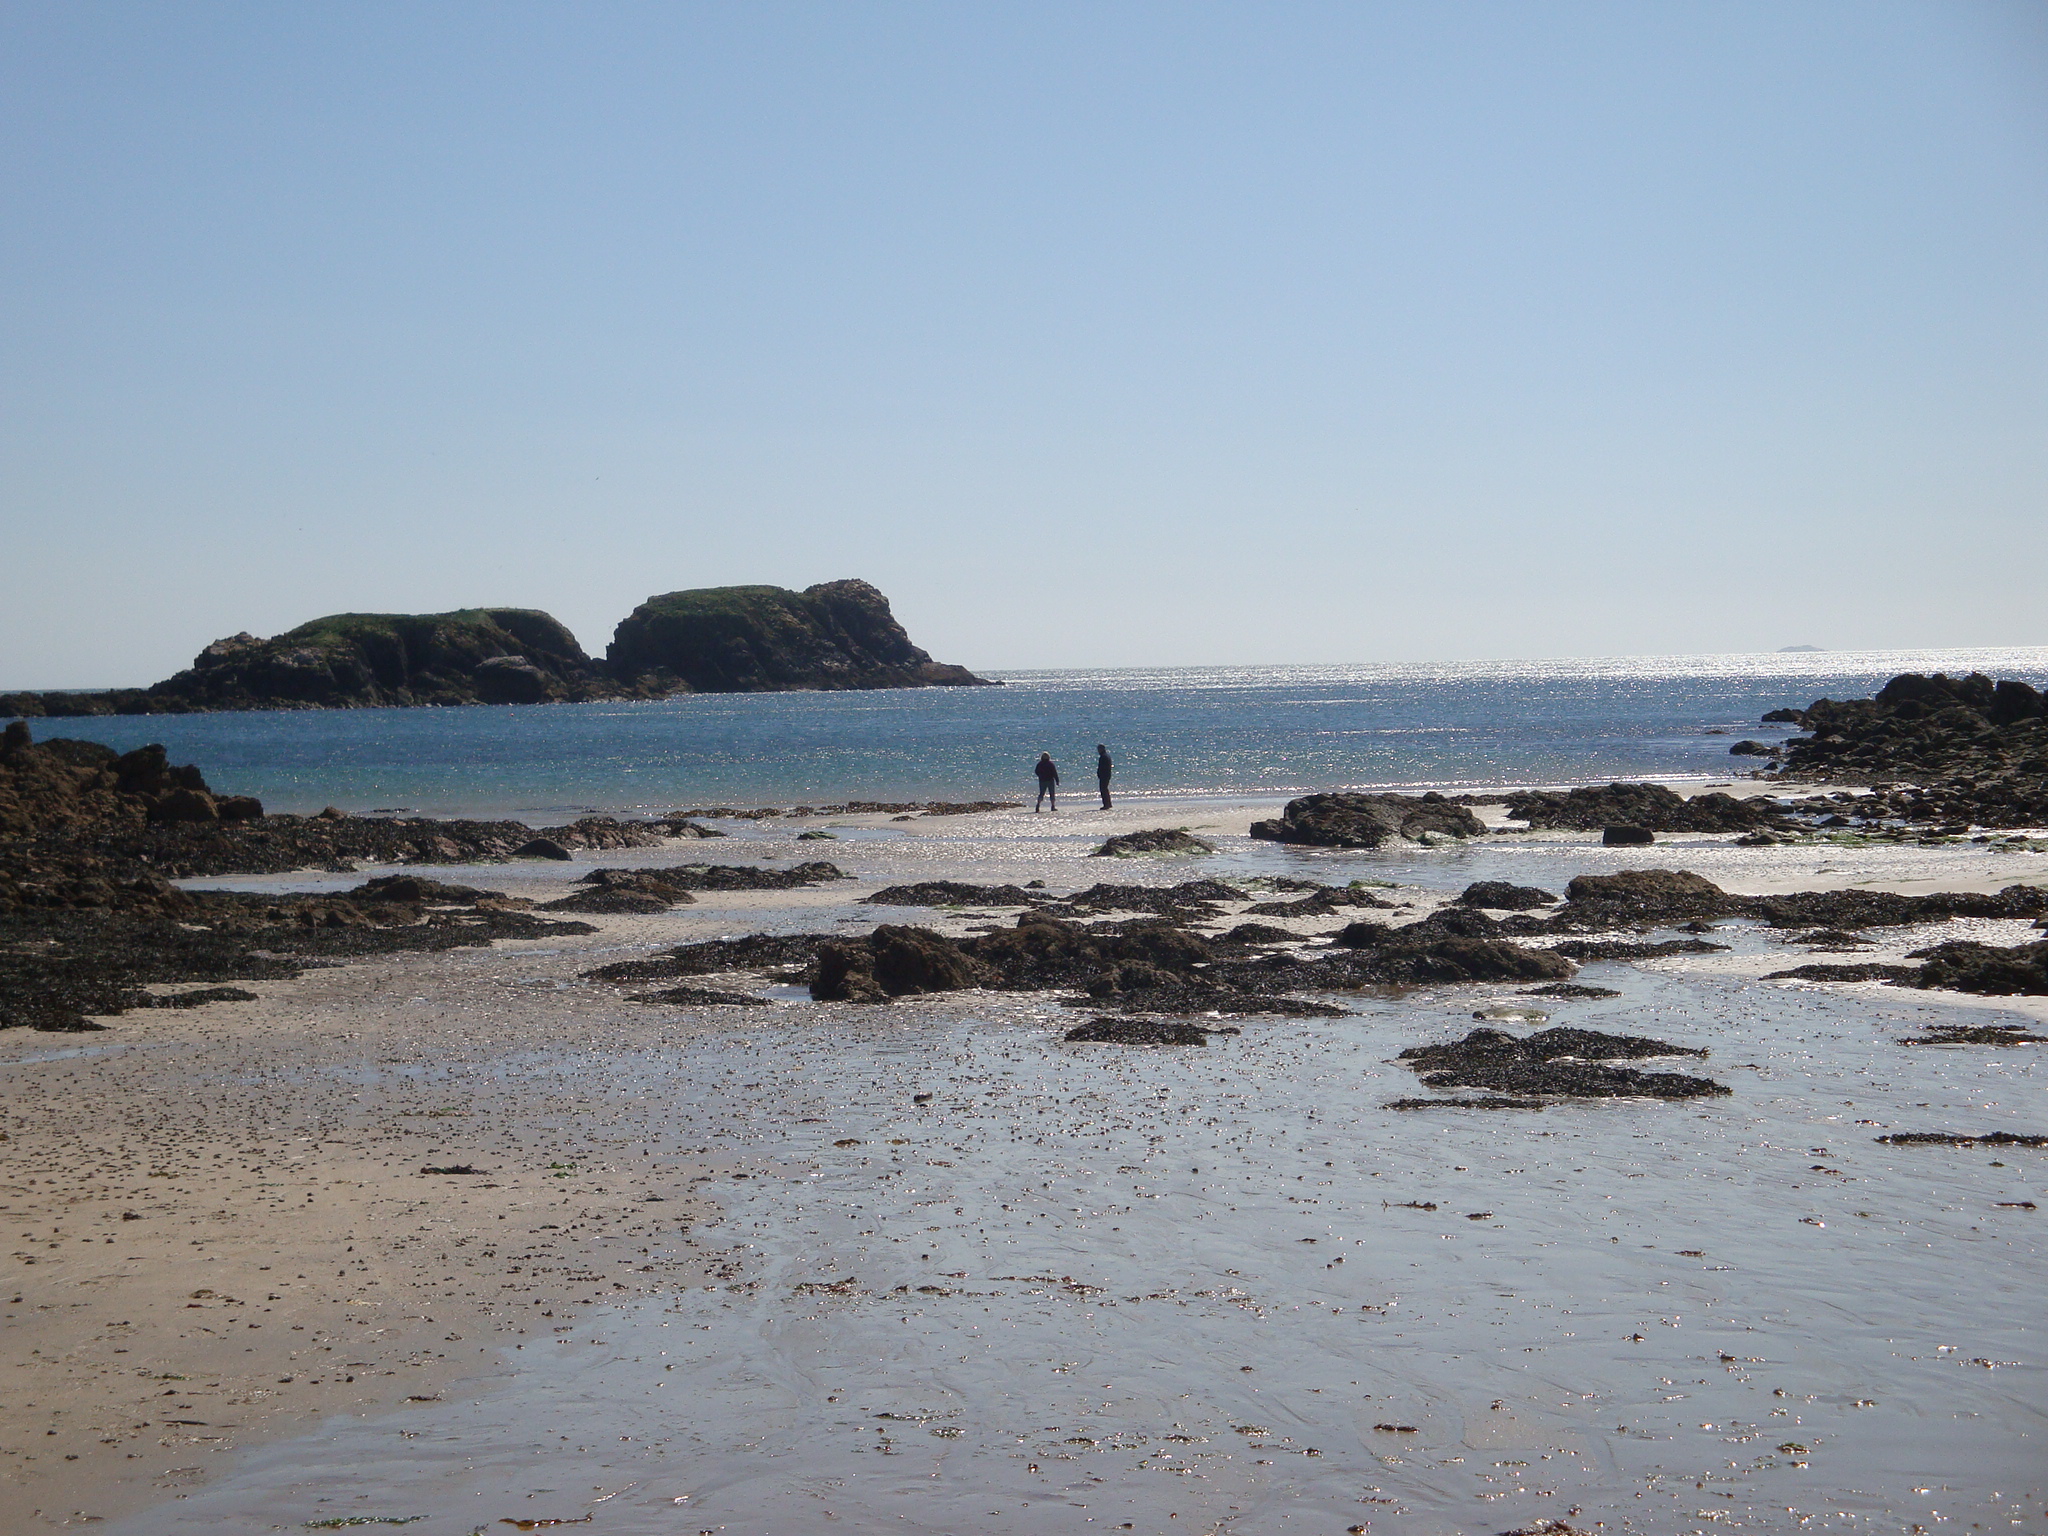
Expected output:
(1626, 837)
(1322, 901)
(951, 893)
(1142, 1032)
(2021, 971)
(695, 997)
(1951, 1139)
(1500, 896)
(1649, 806)
(677, 880)
(1457, 960)
(1159, 840)
(612, 900)
(1570, 990)
(1561, 1062)
(1975, 1034)
(895, 961)
(1887, 909)
(1873, 971)
(1367, 821)
(712, 957)
(1643, 896)
(1619, 949)
(1189, 899)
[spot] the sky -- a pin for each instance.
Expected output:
(1125, 333)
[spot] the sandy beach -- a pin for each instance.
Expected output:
(226, 1236)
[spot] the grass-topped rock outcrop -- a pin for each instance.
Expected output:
(838, 634)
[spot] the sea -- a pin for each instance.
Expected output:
(1175, 732)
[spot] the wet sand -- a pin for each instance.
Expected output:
(996, 1311)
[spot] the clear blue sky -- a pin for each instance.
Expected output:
(1093, 334)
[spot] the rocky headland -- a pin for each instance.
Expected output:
(1960, 750)
(837, 635)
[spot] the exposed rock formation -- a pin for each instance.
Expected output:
(1168, 840)
(1650, 806)
(1977, 749)
(1367, 821)
(839, 634)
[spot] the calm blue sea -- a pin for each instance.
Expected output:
(1225, 731)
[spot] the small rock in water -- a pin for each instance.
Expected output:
(1626, 837)
(1169, 840)
(1142, 1032)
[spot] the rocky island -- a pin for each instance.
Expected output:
(836, 635)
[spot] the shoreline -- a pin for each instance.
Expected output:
(321, 1089)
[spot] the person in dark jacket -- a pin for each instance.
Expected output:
(1103, 768)
(1048, 782)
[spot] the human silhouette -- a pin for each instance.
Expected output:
(1048, 782)
(1103, 769)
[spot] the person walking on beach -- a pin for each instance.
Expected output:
(1048, 782)
(1103, 768)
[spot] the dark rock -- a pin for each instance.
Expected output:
(1253, 935)
(712, 957)
(185, 805)
(1596, 949)
(609, 899)
(839, 634)
(2021, 971)
(687, 829)
(194, 999)
(1367, 821)
(1170, 840)
(1500, 896)
(1975, 1034)
(1190, 899)
(1646, 806)
(1830, 940)
(1142, 1032)
(894, 961)
(1950, 1139)
(1752, 749)
(541, 848)
(1322, 901)
(1643, 896)
(417, 890)
(692, 997)
(1555, 1061)
(1569, 989)
(1886, 909)
(676, 881)
(1457, 960)
(950, 893)
(355, 660)
(1487, 1103)
(1626, 837)
(1871, 972)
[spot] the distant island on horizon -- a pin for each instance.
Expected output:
(1785, 648)
(753, 639)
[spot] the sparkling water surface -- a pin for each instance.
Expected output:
(1230, 731)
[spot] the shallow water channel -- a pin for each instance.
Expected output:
(1093, 1288)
